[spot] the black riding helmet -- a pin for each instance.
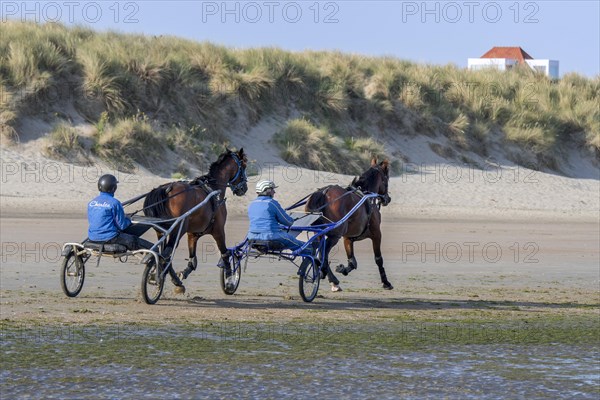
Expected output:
(108, 183)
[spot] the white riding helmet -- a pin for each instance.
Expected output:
(264, 185)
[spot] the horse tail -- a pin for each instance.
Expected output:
(316, 201)
(155, 204)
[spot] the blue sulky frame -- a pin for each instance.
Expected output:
(75, 254)
(308, 271)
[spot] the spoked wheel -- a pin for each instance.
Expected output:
(309, 280)
(152, 282)
(72, 274)
(230, 284)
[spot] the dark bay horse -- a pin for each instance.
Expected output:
(174, 199)
(335, 202)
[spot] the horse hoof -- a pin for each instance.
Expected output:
(342, 270)
(388, 286)
(336, 288)
(179, 289)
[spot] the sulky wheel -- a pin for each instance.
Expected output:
(72, 274)
(152, 282)
(309, 280)
(230, 284)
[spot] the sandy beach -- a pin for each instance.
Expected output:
(500, 257)
(34, 185)
(441, 269)
(450, 233)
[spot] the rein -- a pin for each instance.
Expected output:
(302, 200)
(299, 202)
(241, 171)
(161, 201)
(352, 190)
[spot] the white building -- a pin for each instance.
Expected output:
(505, 58)
(547, 67)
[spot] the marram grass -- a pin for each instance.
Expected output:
(177, 81)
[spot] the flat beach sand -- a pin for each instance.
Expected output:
(455, 239)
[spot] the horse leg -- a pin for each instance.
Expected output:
(376, 238)
(193, 260)
(167, 254)
(219, 236)
(329, 244)
(352, 263)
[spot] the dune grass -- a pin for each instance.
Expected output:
(7, 115)
(304, 144)
(182, 83)
(129, 140)
(63, 141)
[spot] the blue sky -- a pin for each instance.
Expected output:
(431, 32)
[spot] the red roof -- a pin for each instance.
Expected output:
(514, 53)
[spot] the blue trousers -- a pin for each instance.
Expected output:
(284, 239)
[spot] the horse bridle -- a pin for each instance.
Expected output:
(385, 199)
(241, 171)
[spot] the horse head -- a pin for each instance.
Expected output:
(376, 180)
(238, 181)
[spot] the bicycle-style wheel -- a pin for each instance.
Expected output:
(72, 274)
(229, 284)
(152, 282)
(309, 280)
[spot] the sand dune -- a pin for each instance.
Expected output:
(33, 184)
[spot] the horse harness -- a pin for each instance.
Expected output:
(203, 183)
(368, 204)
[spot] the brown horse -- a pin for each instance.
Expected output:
(174, 199)
(335, 202)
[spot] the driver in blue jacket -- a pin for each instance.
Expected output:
(107, 220)
(269, 221)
